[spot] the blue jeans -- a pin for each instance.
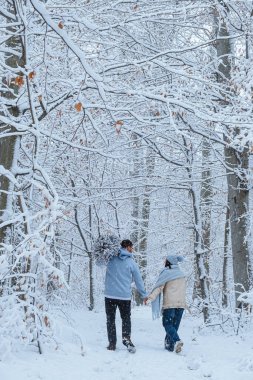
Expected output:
(171, 322)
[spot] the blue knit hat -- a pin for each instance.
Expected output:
(174, 259)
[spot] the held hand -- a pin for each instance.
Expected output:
(146, 301)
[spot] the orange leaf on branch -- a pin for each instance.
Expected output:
(31, 75)
(19, 81)
(78, 107)
(46, 321)
(119, 122)
(47, 202)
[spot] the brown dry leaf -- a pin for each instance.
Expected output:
(119, 122)
(46, 321)
(83, 142)
(31, 75)
(19, 81)
(78, 107)
(47, 202)
(61, 25)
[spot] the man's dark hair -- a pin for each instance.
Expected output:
(126, 243)
(167, 264)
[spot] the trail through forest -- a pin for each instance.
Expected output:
(206, 354)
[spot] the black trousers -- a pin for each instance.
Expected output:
(125, 313)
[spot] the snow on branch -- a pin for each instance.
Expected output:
(64, 36)
(6, 173)
(246, 297)
(18, 126)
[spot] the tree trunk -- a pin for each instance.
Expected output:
(206, 195)
(225, 262)
(201, 287)
(91, 264)
(82, 236)
(136, 199)
(237, 167)
(144, 221)
(238, 203)
(8, 144)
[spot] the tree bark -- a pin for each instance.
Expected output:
(225, 261)
(200, 290)
(8, 144)
(237, 168)
(144, 221)
(206, 195)
(238, 203)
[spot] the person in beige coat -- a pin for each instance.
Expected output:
(172, 284)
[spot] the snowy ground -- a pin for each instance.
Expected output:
(211, 355)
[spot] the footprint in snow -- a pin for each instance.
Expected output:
(193, 365)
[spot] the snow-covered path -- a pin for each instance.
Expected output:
(217, 357)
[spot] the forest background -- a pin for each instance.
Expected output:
(132, 118)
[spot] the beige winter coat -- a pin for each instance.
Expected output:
(173, 294)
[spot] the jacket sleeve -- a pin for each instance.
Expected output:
(152, 296)
(138, 280)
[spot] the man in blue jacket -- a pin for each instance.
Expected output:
(121, 271)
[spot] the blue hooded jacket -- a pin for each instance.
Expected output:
(121, 271)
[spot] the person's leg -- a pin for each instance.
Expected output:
(125, 313)
(110, 309)
(166, 342)
(171, 333)
(177, 319)
(178, 316)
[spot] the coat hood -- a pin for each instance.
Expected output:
(124, 254)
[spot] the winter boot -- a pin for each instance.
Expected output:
(111, 347)
(129, 345)
(178, 346)
(168, 346)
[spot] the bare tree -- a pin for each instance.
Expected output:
(237, 164)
